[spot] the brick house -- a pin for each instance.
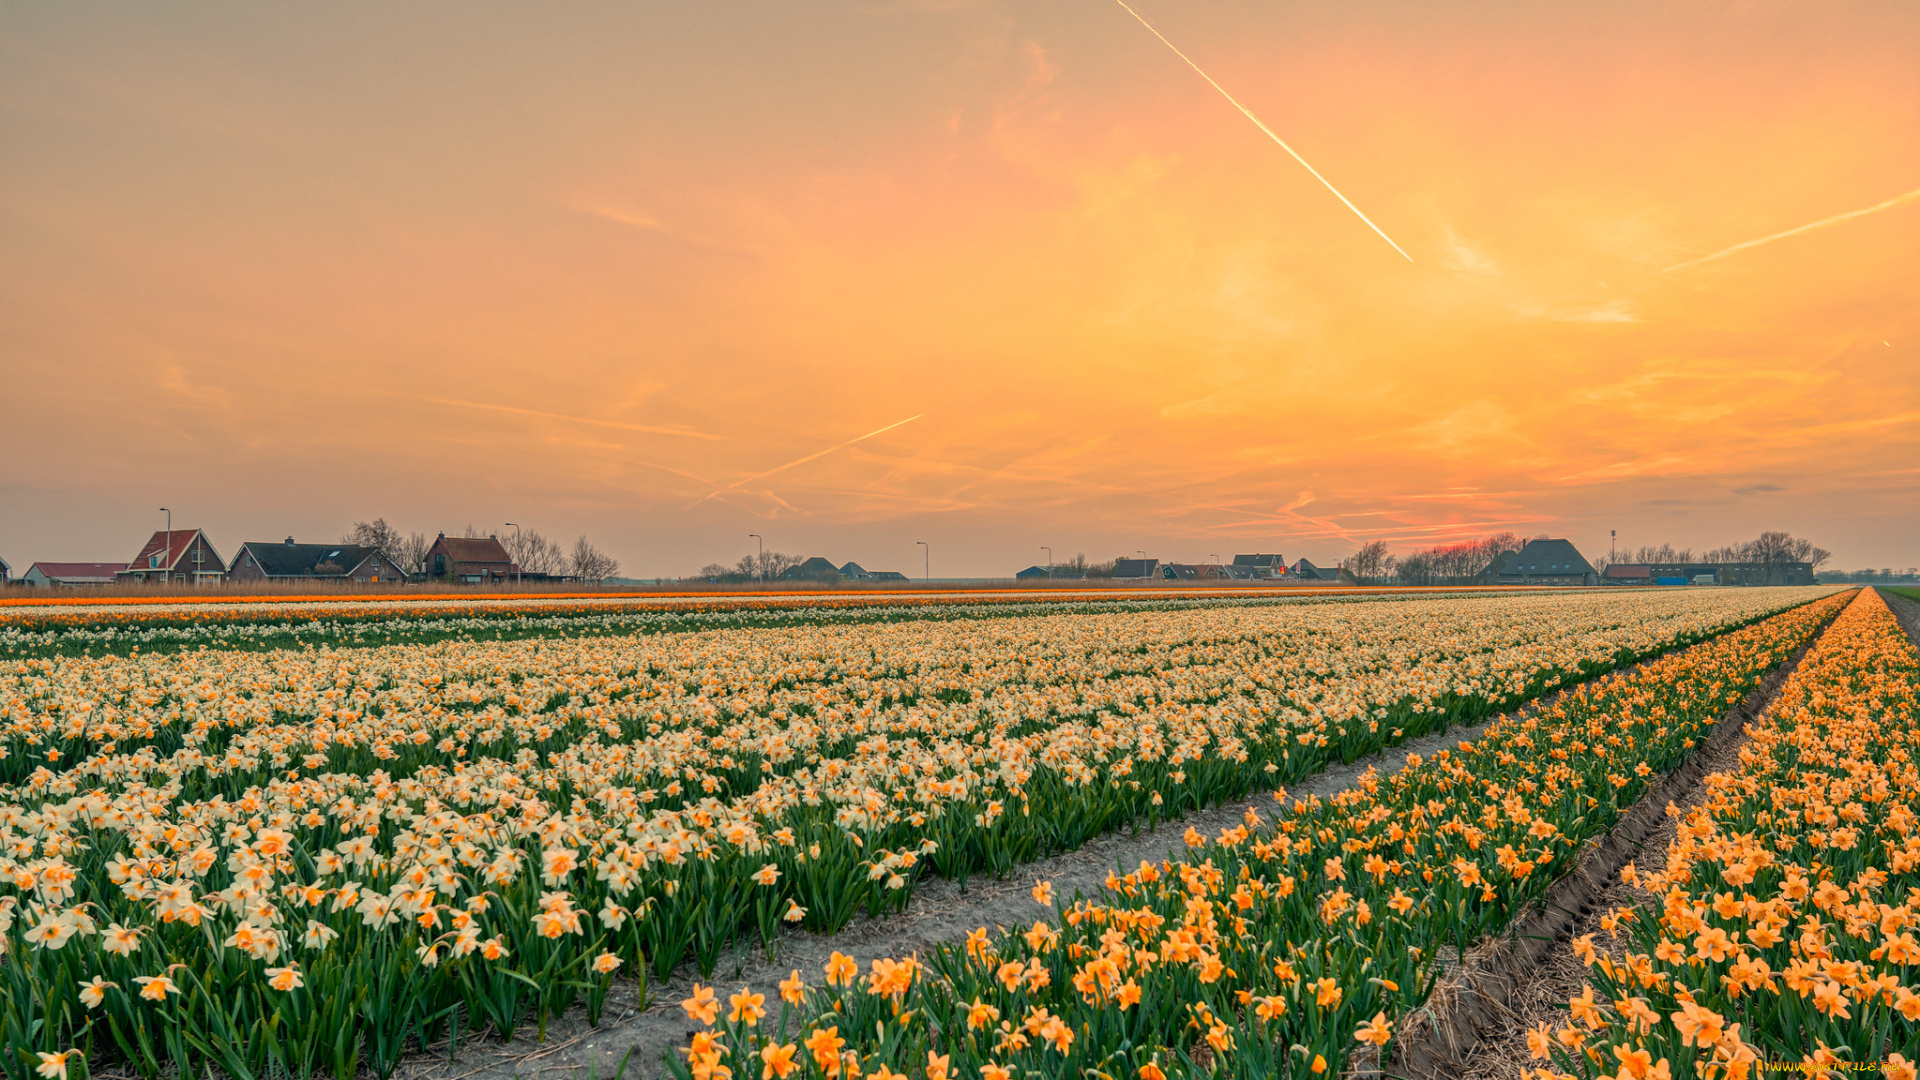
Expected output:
(266, 560)
(182, 556)
(470, 560)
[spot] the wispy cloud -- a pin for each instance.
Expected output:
(621, 425)
(1821, 224)
(815, 456)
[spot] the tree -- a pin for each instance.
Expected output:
(1419, 568)
(380, 536)
(1371, 563)
(589, 563)
(534, 553)
(413, 554)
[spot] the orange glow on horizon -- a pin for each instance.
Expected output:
(649, 275)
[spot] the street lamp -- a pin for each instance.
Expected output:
(1143, 565)
(926, 575)
(516, 547)
(1049, 552)
(166, 553)
(1215, 558)
(760, 564)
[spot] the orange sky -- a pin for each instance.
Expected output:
(584, 266)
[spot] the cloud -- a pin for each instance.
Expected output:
(1758, 489)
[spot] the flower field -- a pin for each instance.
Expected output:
(1277, 948)
(1785, 929)
(310, 859)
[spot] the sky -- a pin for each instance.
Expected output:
(1000, 277)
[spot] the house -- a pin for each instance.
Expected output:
(1541, 562)
(1136, 569)
(853, 571)
(885, 575)
(1624, 574)
(470, 560)
(6, 572)
(1306, 573)
(49, 574)
(814, 569)
(1255, 567)
(1194, 572)
(179, 556)
(267, 560)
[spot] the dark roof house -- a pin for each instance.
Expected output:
(1135, 569)
(853, 571)
(814, 569)
(1541, 562)
(180, 555)
(72, 573)
(471, 560)
(1305, 573)
(1257, 566)
(6, 572)
(285, 560)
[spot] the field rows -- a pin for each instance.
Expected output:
(1276, 949)
(1787, 906)
(305, 859)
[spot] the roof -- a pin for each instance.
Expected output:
(278, 558)
(1622, 570)
(886, 575)
(1132, 568)
(157, 544)
(1035, 571)
(1259, 560)
(77, 569)
(472, 549)
(853, 570)
(811, 567)
(1544, 557)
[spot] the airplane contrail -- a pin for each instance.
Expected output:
(1248, 113)
(573, 419)
(815, 456)
(1821, 224)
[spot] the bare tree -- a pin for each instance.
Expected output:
(1371, 563)
(413, 553)
(589, 563)
(380, 536)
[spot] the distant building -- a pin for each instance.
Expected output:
(1194, 572)
(1305, 572)
(886, 575)
(1030, 573)
(1135, 569)
(1255, 567)
(49, 574)
(6, 572)
(267, 560)
(1541, 562)
(470, 560)
(1785, 573)
(853, 571)
(814, 569)
(1624, 574)
(180, 556)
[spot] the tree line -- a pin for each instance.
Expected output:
(1462, 562)
(531, 551)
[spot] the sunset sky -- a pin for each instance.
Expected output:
(625, 269)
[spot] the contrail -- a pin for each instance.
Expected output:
(573, 419)
(1821, 224)
(802, 461)
(1256, 122)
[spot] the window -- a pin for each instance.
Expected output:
(153, 562)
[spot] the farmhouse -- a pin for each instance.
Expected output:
(1760, 573)
(181, 556)
(1625, 574)
(45, 574)
(1135, 569)
(267, 560)
(1254, 567)
(470, 560)
(1304, 571)
(1541, 562)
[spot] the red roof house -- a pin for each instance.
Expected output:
(72, 573)
(182, 556)
(472, 560)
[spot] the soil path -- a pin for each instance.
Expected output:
(1474, 1026)
(640, 1034)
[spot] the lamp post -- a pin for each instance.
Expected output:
(926, 575)
(166, 552)
(516, 547)
(760, 563)
(1216, 561)
(1143, 566)
(1049, 552)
